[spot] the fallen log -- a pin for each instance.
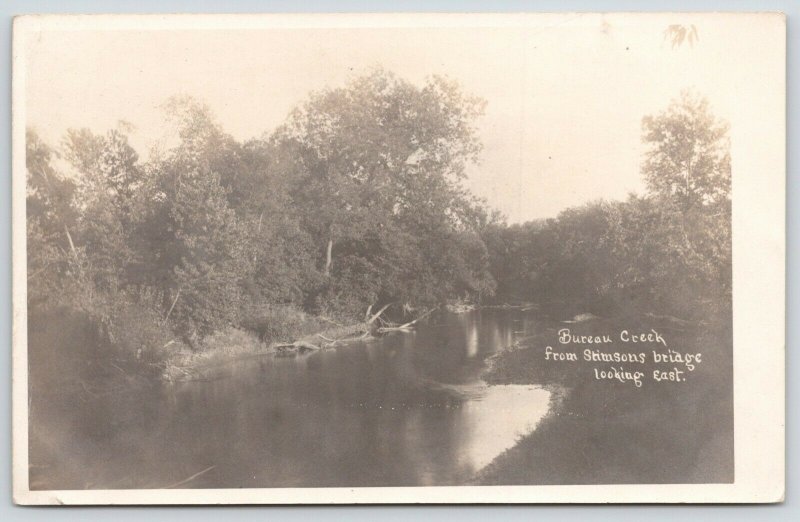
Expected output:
(299, 346)
(372, 319)
(423, 316)
(405, 327)
(333, 342)
(328, 338)
(351, 333)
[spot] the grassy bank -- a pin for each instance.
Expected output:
(235, 343)
(607, 431)
(94, 349)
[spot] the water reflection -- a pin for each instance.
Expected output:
(495, 422)
(408, 409)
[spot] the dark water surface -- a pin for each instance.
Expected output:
(407, 409)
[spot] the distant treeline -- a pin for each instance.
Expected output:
(356, 200)
(665, 252)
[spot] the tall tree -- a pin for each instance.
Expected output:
(383, 149)
(379, 162)
(688, 156)
(108, 178)
(195, 248)
(687, 168)
(50, 221)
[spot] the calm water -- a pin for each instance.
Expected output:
(407, 409)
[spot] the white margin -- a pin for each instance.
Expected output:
(759, 252)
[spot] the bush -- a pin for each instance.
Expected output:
(231, 340)
(136, 331)
(278, 322)
(129, 327)
(96, 342)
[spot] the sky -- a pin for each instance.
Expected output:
(565, 93)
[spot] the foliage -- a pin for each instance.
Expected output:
(279, 323)
(50, 217)
(667, 251)
(376, 171)
(688, 158)
(355, 201)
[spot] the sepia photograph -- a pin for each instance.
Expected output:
(303, 253)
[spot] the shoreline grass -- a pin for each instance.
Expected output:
(607, 432)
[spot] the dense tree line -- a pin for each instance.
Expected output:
(356, 200)
(667, 251)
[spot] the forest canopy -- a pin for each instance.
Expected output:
(357, 200)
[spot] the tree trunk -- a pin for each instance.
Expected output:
(71, 244)
(258, 231)
(328, 258)
(173, 305)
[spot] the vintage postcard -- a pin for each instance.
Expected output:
(398, 258)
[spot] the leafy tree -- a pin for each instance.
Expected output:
(195, 250)
(688, 170)
(380, 160)
(50, 221)
(109, 177)
(688, 157)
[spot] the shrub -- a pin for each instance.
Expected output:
(277, 322)
(136, 331)
(231, 340)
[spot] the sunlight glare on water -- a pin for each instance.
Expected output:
(497, 420)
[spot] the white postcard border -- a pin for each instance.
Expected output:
(758, 283)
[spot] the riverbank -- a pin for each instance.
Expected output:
(311, 333)
(233, 344)
(92, 349)
(603, 430)
(79, 352)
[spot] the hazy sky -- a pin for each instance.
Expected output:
(566, 93)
